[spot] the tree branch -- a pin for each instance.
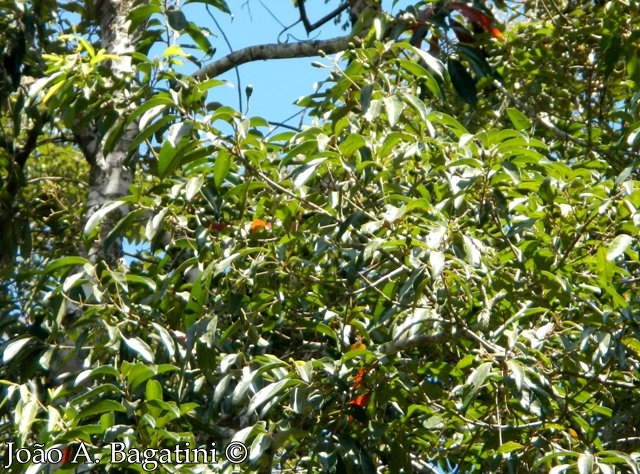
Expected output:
(273, 51)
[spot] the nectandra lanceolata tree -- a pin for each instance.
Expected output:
(437, 271)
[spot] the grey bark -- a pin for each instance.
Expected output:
(273, 51)
(110, 177)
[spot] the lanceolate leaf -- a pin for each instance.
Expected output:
(618, 246)
(435, 65)
(219, 4)
(462, 81)
(518, 119)
(200, 39)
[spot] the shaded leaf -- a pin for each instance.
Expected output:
(462, 82)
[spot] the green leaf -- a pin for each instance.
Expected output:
(585, 463)
(435, 65)
(94, 392)
(426, 77)
(140, 347)
(351, 144)
(92, 223)
(149, 131)
(271, 391)
(176, 18)
(114, 134)
(517, 372)
(420, 107)
(612, 52)
(193, 187)
(509, 446)
(121, 227)
(518, 119)
(136, 373)
(200, 39)
(221, 167)
(619, 245)
(303, 173)
(373, 112)
(142, 13)
(99, 407)
(14, 347)
(365, 97)
(168, 159)
(65, 262)
(477, 59)
(26, 415)
(153, 390)
(157, 103)
(259, 446)
(219, 4)
(546, 191)
(462, 82)
(394, 107)
(154, 224)
(451, 123)
(179, 131)
(479, 375)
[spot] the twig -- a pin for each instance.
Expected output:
(56, 178)
(284, 125)
(226, 40)
(309, 27)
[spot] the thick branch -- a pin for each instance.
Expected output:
(273, 51)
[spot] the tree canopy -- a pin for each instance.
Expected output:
(438, 272)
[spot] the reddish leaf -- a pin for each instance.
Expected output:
(463, 34)
(66, 454)
(419, 33)
(218, 226)
(434, 45)
(477, 17)
(425, 15)
(361, 400)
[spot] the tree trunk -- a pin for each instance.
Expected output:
(110, 177)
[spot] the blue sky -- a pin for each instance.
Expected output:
(277, 83)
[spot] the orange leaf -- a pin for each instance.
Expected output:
(361, 400)
(357, 382)
(496, 33)
(258, 224)
(357, 345)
